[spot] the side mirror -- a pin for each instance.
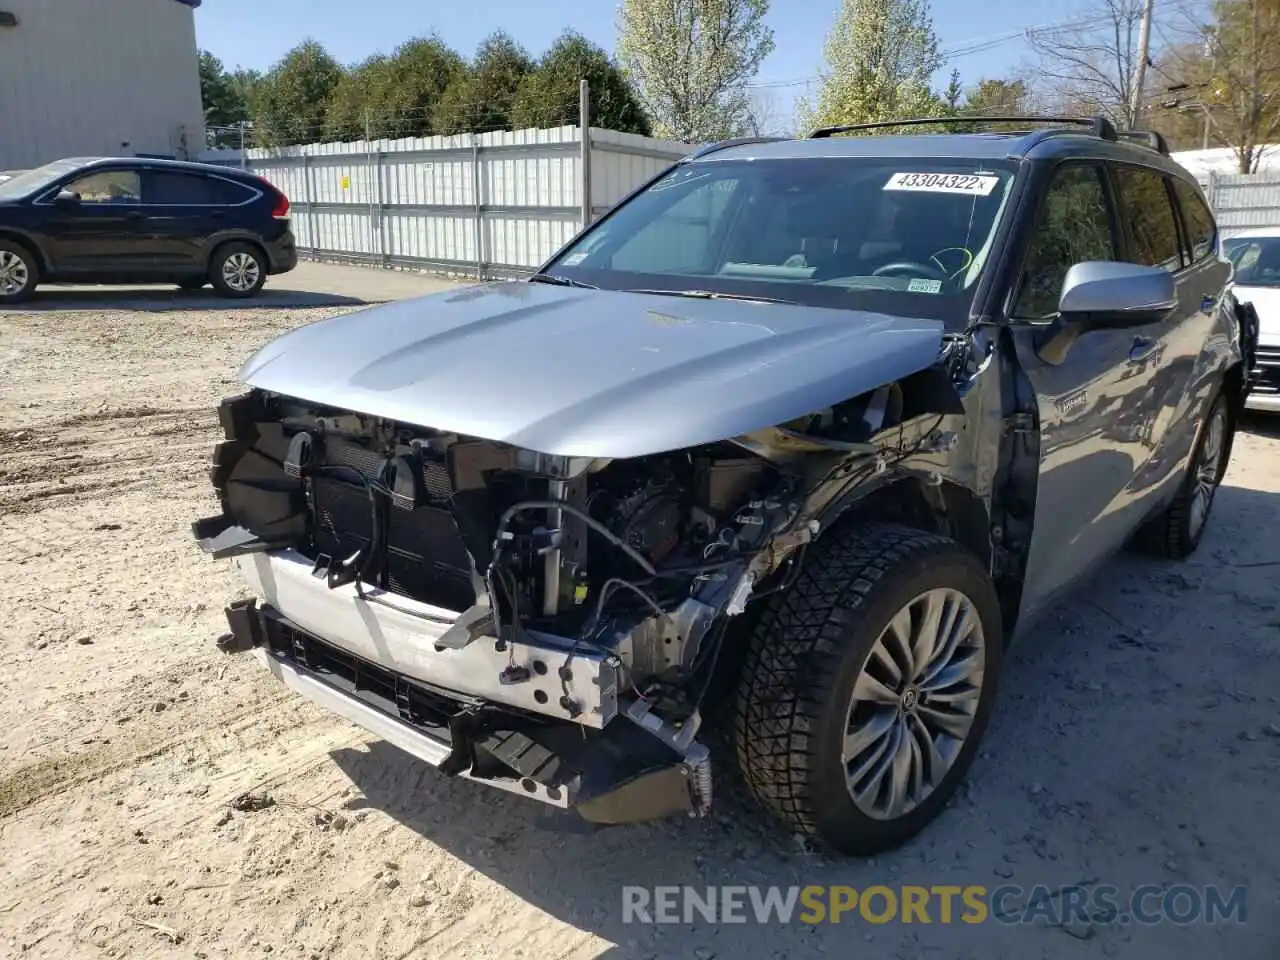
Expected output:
(1107, 295)
(66, 198)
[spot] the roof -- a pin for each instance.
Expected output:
(1037, 144)
(979, 146)
(218, 168)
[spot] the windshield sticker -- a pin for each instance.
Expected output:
(971, 184)
(924, 286)
(573, 259)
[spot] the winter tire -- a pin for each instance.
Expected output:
(867, 686)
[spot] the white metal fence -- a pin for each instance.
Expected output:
(1242, 201)
(486, 205)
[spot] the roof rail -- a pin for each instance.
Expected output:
(1098, 126)
(726, 144)
(1148, 138)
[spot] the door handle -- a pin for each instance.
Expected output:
(134, 215)
(1140, 349)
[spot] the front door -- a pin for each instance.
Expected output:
(97, 234)
(1088, 459)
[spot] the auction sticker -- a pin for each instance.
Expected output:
(970, 183)
(920, 285)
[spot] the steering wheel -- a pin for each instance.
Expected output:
(912, 267)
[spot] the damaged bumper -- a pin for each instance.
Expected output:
(378, 667)
(404, 636)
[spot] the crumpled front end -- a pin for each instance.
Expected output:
(545, 624)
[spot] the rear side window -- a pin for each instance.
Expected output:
(1201, 229)
(1074, 226)
(1144, 198)
(167, 187)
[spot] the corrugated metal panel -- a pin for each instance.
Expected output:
(1245, 200)
(98, 77)
(495, 203)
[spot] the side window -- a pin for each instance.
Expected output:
(680, 239)
(225, 191)
(167, 187)
(107, 186)
(1144, 198)
(1075, 225)
(1201, 229)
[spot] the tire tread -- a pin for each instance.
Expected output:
(796, 647)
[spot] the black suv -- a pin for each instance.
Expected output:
(123, 220)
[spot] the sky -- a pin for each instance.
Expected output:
(254, 33)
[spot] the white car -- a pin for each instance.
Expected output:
(1256, 255)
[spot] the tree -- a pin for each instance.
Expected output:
(1240, 89)
(1180, 113)
(951, 96)
(246, 85)
(294, 97)
(481, 98)
(357, 105)
(393, 96)
(990, 98)
(763, 117)
(419, 73)
(1090, 62)
(224, 105)
(549, 95)
(691, 61)
(880, 57)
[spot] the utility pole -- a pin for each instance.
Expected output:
(1140, 71)
(584, 132)
(1211, 50)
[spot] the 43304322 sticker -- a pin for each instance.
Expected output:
(974, 184)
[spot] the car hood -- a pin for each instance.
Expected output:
(594, 373)
(1266, 300)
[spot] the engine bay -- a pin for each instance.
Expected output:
(641, 559)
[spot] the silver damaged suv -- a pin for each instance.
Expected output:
(791, 445)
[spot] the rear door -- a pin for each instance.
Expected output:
(184, 209)
(1166, 425)
(1086, 462)
(98, 235)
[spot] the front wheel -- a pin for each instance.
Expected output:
(237, 270)
(868, 685)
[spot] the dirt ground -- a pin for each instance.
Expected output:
(1136, 740)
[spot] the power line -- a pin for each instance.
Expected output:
(966, 48)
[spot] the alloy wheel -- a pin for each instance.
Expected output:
(14, 275)
(1208, 468)
(240, 272)
(914, 704)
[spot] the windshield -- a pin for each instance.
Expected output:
(1256, 259)
(906, 236)
(30, 181)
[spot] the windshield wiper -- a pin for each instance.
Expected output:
(559, 281)
(711, 295)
